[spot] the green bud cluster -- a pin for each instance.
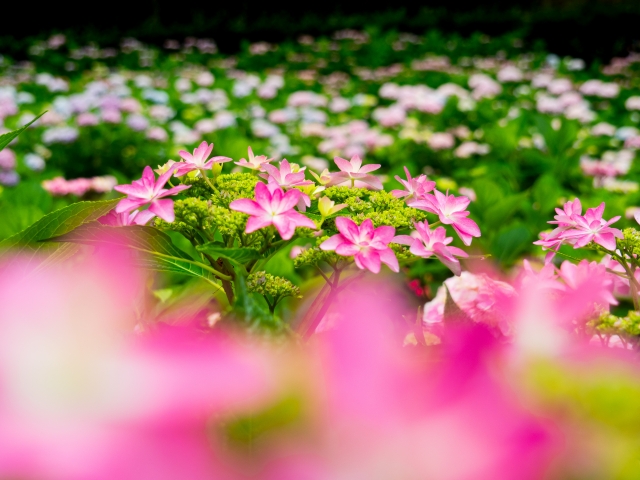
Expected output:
(276, 287)
(228, 222)
(191, 214)
(199, 187)
(315, 256)
(631, 241)
(613, 325)
(380, 206)
(233, 186)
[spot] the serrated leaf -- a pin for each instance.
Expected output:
(7, 138)
(162, 254)
(28, 243)
(240, 255)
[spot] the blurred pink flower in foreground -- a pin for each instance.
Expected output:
(273, 208)
(199, 160)
(150, 191)
(367, 245)
(124, 219)
(385, 412)
(83, 397)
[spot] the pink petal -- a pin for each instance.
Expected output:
(403, 240)
(143, 217)
(263, 196)
(285, 226)
(369, 259)
(369, 168)
(128, 204)
(384, 234)
(247, 206)
(258, 222)
(131, 190)
(347, 249)
(174, 190)
(389, 259)
(607, 240)
(298, 219)
(366, 230)
(333, 242)
(373, 181)
(348, 228)
(355, 162)
(343, 164)
(163, 209)
(447, 259)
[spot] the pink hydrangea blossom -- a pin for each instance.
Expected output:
(199, 160)
(150, 191)
(415, 188)
(254, 162)
(424, 242)
(452, 211)
(352, 172)
(592, 227)
(272, 207)
(369, 246)
(585, 272)
(285, 176)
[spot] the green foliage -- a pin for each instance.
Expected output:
(7, 138)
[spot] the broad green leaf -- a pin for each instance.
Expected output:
(502, 211)
(546, 192)
(239, 255)
(7, 138)
(29, 241)
(161, 254)
(511, 243)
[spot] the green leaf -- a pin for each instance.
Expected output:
(239, 255)
(502, 211)
(7, 138)
(162, 255)
(29, 241)
(546, 192)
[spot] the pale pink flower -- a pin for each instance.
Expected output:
(272, 208)
(254, 162)
(87, 119)
(369, 246)
(7, 159)
(424, 243)
(592, 227)
(199, 160)
(353, 171)
(441, 140)
(150, 191)
(285, 176)
(415, 188)
(452, 211)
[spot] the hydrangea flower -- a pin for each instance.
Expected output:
(199, 160)
(424, 242)
(355, 173)
(254, 162)
(286, 176)
(150, 191)
(415, 188)
(452, 211)
(367, 245)
(272, 207)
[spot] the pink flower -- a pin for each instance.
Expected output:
(584, 273)
(425, 242)
(199, 160)
(284, 176)
(591, 227)
(125, 219)
(416, 188)
(272, 208)
(255, 162)
(367, 245)
(451, 211)
(150, 191)
(354, 172)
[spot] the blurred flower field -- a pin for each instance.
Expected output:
(386, 256)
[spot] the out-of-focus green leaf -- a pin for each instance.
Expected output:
(7, 138)
(161, 254)
(239, 255)
(28, 243)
